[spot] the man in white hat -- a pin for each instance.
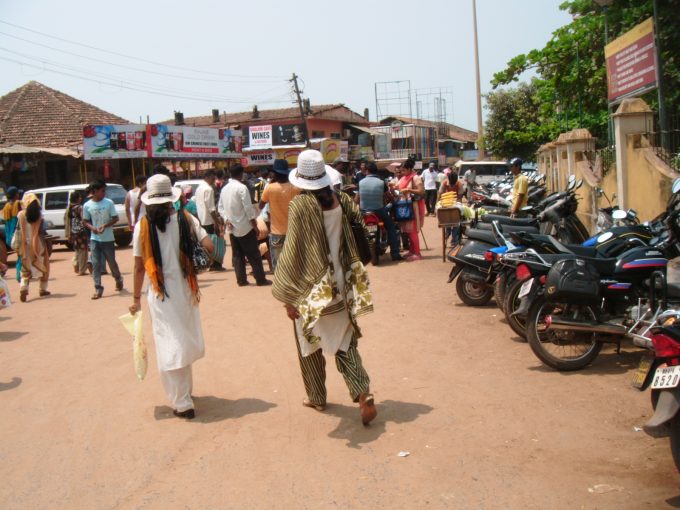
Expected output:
(324, 297)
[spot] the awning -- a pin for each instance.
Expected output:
(372, 132)
(274, 148)
(24, 149)
(444, 140)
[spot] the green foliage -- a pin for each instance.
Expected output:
(572, 87)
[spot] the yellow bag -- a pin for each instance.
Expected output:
(133, 325)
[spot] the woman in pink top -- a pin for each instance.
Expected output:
(411, 186)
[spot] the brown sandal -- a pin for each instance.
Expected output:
(308, 403)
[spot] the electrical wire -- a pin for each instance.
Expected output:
(135, 58)
(132, 68)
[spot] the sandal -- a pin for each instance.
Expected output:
(44, 293)
(97, 295)
(308, 403)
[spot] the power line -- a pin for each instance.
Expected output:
(135, 58)
(137, 69)
(135, 82)
(127, 87)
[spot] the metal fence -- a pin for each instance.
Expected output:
(665, 142)
(602, 161)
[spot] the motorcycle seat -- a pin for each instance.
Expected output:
(506, 220)
(601, 265)
(507, 228)
(581, 251)
(481, 235)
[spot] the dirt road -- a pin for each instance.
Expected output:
(485, 424)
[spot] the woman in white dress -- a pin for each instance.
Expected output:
(162, 248)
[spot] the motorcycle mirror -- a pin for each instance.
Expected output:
(676, 185)
(619, 214)
(571, 178)
(527, 208)
(579, 183)
(599, 192)
(632, 213)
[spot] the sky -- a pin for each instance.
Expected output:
(193, 56)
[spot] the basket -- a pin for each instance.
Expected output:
(447, 216)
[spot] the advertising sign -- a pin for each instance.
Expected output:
(260, 137)
(176, 142)
(290, 155)
(631, 62)
(330, 150)
(344, 149)
(115, 141)
(259, 158)
(289, 134)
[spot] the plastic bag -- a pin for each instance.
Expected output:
(133, 325)
(5, 301)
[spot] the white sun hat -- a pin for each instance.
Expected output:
(311, 172)
(159, 190)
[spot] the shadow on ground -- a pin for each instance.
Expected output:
(351, 430)
(9, 336)
(211, 409)
(4, 386)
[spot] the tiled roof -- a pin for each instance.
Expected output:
(38, 116)
(324, 111)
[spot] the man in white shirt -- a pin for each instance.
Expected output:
(134, 208)
(205, 207)
(236, 208)
(430, 181)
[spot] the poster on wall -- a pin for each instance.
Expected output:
(330, 150)
(260, 137)
(289, 134)
(115, 141)
(192, 142)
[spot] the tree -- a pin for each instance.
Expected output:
(515, 124)
(572, 86)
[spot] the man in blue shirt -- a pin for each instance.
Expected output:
(99, 215)
(372, 191)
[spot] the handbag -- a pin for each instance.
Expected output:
(220, 248)
(200, 258)
(403, 210)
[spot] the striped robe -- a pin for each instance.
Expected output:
(304, 276)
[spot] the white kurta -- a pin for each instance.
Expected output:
(335, 330)
(176, 321)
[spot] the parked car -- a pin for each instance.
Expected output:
(486, 171)
(55, 201)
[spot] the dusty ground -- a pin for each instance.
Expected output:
(486, 425)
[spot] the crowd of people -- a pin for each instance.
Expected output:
(299, 220)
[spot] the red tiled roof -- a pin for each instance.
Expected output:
(38, 116)
(325, 111)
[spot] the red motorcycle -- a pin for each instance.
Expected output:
(376, 233)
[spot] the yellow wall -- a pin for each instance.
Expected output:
(649, 183)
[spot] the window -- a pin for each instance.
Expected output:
(318, 134)
(335, 136)
(116, 193)
(56, 200)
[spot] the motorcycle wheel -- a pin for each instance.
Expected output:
(375, 254)
(675, 440)
(472, 293)
(517, 324)
(498, 294)
(563, 351)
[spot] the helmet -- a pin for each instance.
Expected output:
(516, 162)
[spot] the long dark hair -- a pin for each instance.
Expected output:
(159, 215)
(324, 196)
(33, 212)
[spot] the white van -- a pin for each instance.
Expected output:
(485, 171)
(55, 201)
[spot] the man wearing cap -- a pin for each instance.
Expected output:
(520, 187)
(342, 165)
(372, 191)
(323, 284)
(239, 215)
(278, 195)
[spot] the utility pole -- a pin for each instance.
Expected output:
(302, 111)
(480, 126)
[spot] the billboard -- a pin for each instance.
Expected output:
(123, 141)
(273, 135)
(260, 137)
(631, 62)
(177, 142)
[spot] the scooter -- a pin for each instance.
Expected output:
(377, 233)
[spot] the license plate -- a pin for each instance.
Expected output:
(526, 287)
(640, 374)
(372, 228)
(666, 377)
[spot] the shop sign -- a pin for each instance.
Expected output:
(290, 155)
(631, 62)
(259, 158)
(115, 141)
(260, 137)
(176, 142)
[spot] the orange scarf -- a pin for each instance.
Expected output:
(155, 273)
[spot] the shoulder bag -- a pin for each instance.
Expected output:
(199, 257)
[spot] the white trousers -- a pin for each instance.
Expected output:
(178, 385)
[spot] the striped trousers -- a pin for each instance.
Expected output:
(348, 363)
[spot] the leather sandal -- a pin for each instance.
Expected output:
(23, 295)
(308, 403)
(189, 414)
(367, 408)
(44, 293)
